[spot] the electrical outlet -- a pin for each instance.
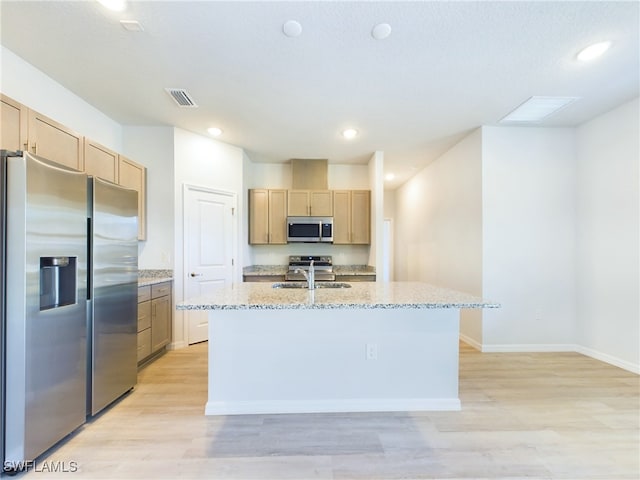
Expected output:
(372, 351)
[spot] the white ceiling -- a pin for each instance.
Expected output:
(446, 68)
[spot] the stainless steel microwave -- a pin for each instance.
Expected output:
(310, 229)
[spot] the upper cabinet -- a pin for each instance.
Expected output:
(310, 203)
(352, 217)
(13, 124)
(51, 140)
(133, 175)
(100, 162)
(267, 216)
(26, 129)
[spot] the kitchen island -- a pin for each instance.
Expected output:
(372, 347)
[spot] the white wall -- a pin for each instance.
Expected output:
(439, 226)
(608, 306)
(348, 177)
(31, 87)
(376, 184)
(529, 238)
(153, 147)
(203, 162)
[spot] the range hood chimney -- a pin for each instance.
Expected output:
(309, 174)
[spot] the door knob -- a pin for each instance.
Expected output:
(196, 274)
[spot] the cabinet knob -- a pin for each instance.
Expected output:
(195, 274)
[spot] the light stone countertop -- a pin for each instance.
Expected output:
(266, 270)
(151, 277)
(145, 281)
(367, 295)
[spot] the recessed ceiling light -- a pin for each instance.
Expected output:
(389, 176)
(214, 131)
(349, 133)
(292, 28)
(115, 5)
(381, 31)
(537, 108)
(593, 51)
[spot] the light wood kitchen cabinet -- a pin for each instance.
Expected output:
(100, 161)
(310, 203)
(53, 141)
(160, 315)
(267, 217)
(13, 124)
(154, 319)
(352, 217)
(144, 322)
(133, 175)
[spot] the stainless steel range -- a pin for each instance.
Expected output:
(323, 266)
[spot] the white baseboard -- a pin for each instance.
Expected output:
(611, 360)
(528, 347)
(332, 406)
(470, 341)
(560, 347)
(177, 345)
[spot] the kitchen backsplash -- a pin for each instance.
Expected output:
(279, 254)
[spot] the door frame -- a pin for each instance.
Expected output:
(189, 187)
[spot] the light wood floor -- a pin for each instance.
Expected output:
(524, 416)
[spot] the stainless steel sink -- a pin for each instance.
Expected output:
(304, 285)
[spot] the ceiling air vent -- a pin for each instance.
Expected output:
(181, 97)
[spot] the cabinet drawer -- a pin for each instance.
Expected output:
(144, 344)
(160, 290)
(144, 315)
(144, 293)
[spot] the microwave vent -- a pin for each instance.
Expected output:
(181, 97)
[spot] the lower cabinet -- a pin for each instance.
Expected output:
(154, 319)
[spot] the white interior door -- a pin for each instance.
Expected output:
(208, 238)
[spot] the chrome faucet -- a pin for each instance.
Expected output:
(309, 276)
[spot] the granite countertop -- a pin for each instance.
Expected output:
(152, 277)
(266, 270)
(354, 270)
(393, 295)
(145, 281)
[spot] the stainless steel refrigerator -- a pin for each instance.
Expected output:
(113, 292)
(69, 313)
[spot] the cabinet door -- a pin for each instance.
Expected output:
(321, 203)
(361, 217)
(133, 175)
(55, 142)
(160, 322)
(277, 216)
(298, 203)
(100, 162)
(13, 124)
(341, 217)
(258, 217)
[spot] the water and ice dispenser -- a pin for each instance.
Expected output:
(57, 282)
